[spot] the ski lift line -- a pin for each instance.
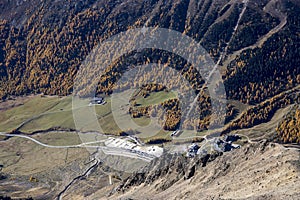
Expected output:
(221, 56)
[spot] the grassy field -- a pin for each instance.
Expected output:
(59, 138)
(142, 121)
(162, 134)
(33, 106)
(45, 112)
(109, 125)
(155, 98)
(62, 119)
(41, 113)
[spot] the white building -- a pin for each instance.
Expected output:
(135, 148)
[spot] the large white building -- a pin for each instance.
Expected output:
(151, 151)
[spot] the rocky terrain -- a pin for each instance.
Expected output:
(257, 171)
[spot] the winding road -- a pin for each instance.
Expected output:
(107, 150)
(85, 145)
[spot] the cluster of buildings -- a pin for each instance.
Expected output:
(192, 150)
(218, 144)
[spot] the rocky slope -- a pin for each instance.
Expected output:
(257, 171)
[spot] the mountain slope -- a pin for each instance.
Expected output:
(261, 171)
(256, 44)
(43, 48)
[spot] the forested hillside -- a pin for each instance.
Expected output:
(260, 73)
(289, 128)
(42, 45)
